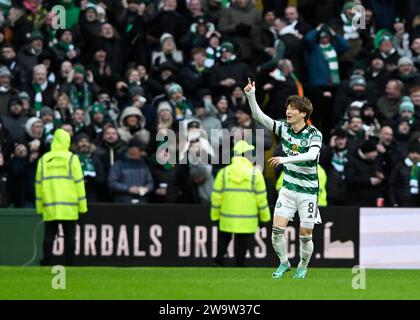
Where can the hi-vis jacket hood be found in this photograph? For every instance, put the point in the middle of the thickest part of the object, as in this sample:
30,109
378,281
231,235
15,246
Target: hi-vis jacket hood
61,141
241,170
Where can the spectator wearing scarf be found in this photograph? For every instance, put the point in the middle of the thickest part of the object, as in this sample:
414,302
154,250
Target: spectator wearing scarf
404,179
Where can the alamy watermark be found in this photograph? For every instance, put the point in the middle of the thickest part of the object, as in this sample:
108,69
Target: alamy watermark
58,282
359,17
59,19
358,282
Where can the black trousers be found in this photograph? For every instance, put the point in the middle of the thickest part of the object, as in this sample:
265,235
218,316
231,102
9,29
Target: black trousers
242,241
50,231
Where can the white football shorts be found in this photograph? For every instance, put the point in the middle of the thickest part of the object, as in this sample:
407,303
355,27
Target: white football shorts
305,204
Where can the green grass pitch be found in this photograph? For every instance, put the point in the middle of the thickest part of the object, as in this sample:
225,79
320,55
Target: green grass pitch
156,283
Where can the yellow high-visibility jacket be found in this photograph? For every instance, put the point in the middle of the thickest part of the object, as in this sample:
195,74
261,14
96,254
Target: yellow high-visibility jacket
322,179
59,183
239,197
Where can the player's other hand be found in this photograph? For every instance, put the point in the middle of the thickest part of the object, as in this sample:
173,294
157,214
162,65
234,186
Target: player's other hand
274,161
250,87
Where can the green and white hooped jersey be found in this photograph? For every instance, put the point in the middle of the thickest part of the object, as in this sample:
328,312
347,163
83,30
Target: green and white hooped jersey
301,177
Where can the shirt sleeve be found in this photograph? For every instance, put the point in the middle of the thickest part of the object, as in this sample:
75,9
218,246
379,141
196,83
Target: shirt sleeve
277,126
315,140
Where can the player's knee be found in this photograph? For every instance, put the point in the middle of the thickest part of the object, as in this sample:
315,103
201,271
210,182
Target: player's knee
280,222
305,232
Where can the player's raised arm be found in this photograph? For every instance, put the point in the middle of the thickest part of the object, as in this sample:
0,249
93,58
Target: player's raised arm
257,113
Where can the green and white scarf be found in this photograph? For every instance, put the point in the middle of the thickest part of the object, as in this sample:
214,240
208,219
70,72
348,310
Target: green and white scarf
331,56
51,36
38,104
48,132
338,161
88,166
414,175
350,32
81,98
66,46
212,55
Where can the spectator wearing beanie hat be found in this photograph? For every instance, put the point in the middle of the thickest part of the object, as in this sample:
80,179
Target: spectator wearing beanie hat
378,74
26,103
181,106
384,48
213,50
407,73
88,28
34,128
167,73
199,28
81,88
98,116
164,115
65,49
34,138
404,179
164,120
355,91
28,56
168,52
401,38
93,172
406,111
47,116
14,120
350,33
6,89
364,177
138,99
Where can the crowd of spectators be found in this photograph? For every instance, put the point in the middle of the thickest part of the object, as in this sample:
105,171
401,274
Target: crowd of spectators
116,74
